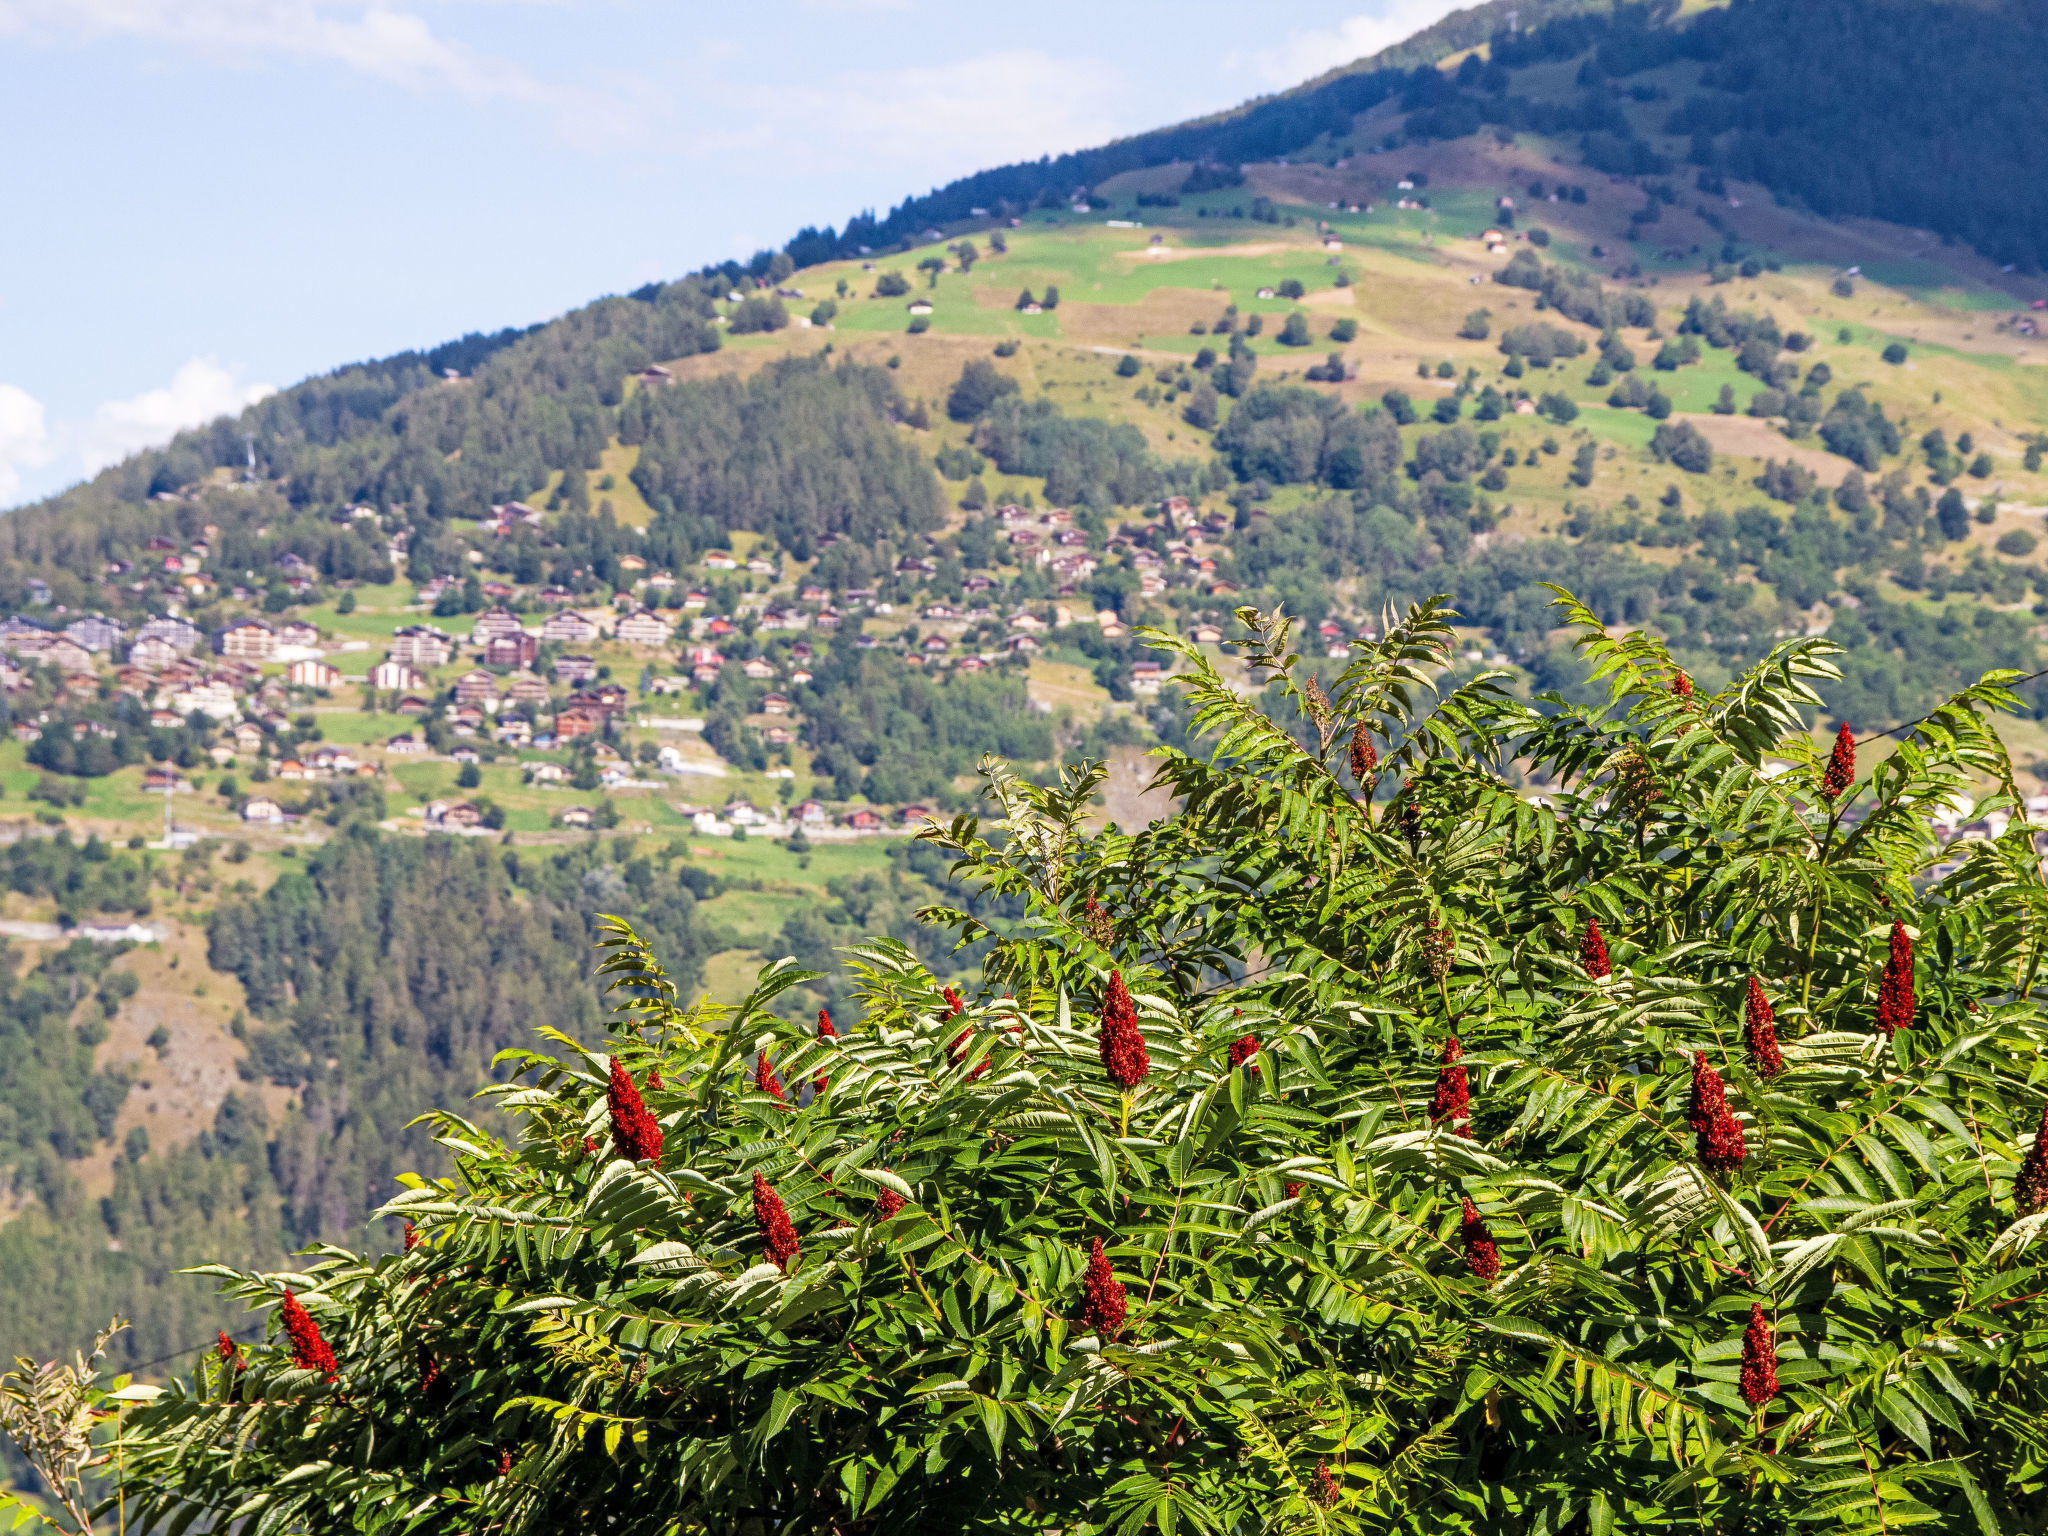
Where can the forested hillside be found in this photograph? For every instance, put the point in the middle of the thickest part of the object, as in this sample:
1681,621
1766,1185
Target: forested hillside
381,978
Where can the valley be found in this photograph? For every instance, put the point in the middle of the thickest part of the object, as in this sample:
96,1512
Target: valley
771,554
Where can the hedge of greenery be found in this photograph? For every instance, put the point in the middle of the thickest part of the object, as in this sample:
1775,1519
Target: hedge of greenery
1380,1144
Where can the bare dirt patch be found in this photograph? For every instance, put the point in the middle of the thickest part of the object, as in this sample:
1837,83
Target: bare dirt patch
1196,252
1748,437
178,1086
1126,799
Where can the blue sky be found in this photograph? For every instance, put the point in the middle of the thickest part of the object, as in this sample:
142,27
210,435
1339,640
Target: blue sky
210,198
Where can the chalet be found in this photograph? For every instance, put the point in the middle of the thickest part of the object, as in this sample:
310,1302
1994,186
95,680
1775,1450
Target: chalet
933,645
495,622
654,374
165,720
759,668
799,677
569,628
388,676
761,567
547,773
575,669
718,628
776,736
863,820
812,593
263,809
299,634
405,744
973,664
742,812
1021,644
420,645
513,731
919,306
460,814
313,674
67,655
152,653
248,736
413,704
911,813
828,618
250,639
95,632
696,598
1025,620
643,628
809,813
612,698
574,720
22,635
775,704
465,756
475,687
1206,634
526,688
332,760
291,768
520,650
1146,676
575,816
181,634
719,560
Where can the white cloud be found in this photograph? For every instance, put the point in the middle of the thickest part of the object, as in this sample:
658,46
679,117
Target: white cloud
390,45
942,119
198,392
1309,52
24,439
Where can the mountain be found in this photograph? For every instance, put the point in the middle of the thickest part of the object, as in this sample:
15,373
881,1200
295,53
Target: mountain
1921,112
1642,302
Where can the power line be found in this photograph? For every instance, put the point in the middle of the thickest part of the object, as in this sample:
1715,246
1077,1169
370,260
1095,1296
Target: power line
193,1349
1880,735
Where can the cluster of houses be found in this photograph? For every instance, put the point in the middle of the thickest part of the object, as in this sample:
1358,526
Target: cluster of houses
740,813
